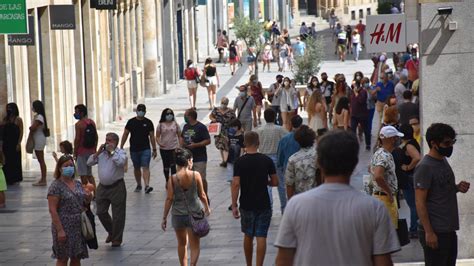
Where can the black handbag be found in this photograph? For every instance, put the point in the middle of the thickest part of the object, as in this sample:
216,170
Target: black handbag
92,243
402,232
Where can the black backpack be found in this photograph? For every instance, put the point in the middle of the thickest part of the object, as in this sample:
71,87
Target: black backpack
90,136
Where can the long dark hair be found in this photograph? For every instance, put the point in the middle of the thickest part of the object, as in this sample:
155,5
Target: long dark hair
343,103
164,113
14,113
39,109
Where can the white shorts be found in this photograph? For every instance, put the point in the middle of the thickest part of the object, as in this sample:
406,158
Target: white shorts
192,84
212,81
40,141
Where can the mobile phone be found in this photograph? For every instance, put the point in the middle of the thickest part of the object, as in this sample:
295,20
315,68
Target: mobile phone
289,108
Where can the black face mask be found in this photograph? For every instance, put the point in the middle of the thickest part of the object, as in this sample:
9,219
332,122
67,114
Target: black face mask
445,151
9,112
279,81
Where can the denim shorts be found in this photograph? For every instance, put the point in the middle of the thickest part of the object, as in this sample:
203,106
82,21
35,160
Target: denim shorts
255,223
141,158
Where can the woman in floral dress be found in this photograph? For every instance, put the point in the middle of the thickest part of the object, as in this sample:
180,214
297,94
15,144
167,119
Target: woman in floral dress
66,201
223,115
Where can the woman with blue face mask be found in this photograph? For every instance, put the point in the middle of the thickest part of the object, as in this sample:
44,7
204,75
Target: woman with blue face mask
167,137
66,200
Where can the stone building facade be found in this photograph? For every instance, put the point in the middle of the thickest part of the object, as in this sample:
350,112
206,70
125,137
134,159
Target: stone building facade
347,11
111,61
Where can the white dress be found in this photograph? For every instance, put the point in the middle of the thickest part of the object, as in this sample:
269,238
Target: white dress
316,123
38,136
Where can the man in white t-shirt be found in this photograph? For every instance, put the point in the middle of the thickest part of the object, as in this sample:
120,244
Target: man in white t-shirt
334,224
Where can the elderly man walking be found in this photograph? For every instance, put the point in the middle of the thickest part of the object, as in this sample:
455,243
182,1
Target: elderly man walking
111,190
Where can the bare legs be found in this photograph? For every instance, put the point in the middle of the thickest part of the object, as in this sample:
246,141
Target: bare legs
232,68
261,250
138,176
192,97
257,115
211,91
40,157
194,243
286,116
63,262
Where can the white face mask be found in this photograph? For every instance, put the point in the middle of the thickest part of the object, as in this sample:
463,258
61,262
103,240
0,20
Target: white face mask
286,83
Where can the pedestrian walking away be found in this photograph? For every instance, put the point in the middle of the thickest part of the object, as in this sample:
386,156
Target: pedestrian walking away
85,143
195,137
192,76
269,137
210,79
167,138
253,172
300,175
436,200
185,196
288,145
142,134
356,218
111,190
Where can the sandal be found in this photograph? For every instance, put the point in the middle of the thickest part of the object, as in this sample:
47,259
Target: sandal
39,184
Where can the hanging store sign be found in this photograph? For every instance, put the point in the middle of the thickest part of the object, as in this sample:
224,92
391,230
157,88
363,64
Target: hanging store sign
24,39
386,33
104,4
62,17
13,17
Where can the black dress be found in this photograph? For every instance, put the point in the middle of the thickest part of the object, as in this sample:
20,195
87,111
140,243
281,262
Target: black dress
12,167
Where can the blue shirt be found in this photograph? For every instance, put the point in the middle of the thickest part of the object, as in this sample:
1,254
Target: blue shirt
299,48
385,91
286,147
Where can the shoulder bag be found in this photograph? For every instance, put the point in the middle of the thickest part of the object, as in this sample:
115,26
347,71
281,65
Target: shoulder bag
240,109
30,144
199,223
86,226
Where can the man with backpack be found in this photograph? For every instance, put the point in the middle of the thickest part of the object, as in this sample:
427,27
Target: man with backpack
142,133
85,143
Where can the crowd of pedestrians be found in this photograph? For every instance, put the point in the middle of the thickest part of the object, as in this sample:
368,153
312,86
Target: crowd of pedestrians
310,163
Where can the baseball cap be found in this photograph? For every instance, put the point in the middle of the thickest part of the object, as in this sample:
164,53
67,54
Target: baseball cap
389,132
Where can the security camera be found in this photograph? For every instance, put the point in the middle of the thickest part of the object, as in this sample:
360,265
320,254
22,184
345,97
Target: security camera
446,10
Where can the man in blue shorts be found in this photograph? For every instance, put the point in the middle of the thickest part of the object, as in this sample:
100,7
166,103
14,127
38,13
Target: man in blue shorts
253,172
142,134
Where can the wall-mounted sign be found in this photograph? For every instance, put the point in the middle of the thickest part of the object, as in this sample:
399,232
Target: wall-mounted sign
386,33
104,4
62,17
24,39
13,17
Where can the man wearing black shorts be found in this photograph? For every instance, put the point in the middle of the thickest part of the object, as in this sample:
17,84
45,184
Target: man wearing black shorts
142,134
253,172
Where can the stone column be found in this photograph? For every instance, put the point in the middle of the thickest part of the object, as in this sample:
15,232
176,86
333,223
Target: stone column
150,53
448,55
79,53
3,76
411,7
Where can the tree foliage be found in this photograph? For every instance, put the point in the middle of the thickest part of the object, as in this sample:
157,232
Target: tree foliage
247,30
309,64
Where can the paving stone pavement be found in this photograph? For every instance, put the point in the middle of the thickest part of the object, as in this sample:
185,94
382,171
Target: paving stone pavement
25,234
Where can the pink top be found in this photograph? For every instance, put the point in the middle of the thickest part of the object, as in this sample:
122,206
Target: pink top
168,135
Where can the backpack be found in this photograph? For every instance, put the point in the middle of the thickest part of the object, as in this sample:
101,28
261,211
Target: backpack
90,136
190,73
232,53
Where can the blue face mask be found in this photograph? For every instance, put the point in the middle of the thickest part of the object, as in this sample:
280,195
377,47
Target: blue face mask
68,171
169,117
367,85
232,131
140,113
77,116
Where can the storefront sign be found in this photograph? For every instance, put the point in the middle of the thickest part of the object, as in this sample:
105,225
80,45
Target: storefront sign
24,39
386,33
104,4
62,17
13,17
